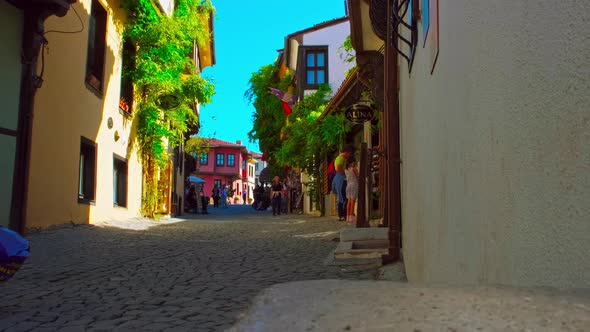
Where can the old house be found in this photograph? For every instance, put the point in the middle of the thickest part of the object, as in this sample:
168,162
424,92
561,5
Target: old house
486,111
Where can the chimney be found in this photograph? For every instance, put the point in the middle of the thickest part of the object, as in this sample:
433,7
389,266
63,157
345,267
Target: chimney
238,142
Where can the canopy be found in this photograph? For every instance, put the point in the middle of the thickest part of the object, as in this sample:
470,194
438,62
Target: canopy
195,179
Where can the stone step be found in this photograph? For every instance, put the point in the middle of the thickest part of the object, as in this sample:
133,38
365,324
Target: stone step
360,234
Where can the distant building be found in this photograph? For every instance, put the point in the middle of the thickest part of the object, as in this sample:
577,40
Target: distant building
260,164
228,164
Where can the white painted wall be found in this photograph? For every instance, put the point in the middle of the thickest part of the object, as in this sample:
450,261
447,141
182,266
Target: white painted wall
332,36
496,146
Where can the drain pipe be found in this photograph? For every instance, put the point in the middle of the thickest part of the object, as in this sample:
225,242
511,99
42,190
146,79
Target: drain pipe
392,211
35,14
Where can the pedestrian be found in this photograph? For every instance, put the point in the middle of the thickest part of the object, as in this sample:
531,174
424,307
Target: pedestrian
339,181
224,196
215,194
204,201
275,195
244,192
285,195
192,199
352,187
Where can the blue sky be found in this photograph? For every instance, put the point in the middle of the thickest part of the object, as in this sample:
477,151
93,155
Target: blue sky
247,36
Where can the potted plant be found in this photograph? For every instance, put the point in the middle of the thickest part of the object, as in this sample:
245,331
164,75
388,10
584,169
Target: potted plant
123,105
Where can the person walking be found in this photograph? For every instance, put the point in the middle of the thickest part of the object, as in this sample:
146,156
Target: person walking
215,194
285,196
275,196
338,183
352,188
224,197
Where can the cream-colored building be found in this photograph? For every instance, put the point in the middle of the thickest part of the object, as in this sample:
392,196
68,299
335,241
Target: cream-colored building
84,164
21,37
495,143
84,168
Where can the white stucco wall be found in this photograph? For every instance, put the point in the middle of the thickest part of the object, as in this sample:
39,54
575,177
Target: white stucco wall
496,146
332,36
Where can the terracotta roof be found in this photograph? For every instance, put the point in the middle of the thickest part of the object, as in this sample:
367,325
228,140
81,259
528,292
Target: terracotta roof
214,142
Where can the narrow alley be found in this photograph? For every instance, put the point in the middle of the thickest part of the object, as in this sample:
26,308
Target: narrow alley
193,275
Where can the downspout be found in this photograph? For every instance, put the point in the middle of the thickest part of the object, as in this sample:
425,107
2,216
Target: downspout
33,30
391,124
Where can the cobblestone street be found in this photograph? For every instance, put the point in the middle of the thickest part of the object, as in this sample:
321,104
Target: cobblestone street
195,275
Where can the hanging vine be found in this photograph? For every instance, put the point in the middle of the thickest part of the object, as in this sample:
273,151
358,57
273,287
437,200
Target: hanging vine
167,82
308,138
268,118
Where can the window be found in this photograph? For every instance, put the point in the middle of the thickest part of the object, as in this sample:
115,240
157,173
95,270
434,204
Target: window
204,159
217,183
97,27
256,167
316,66
231,159
219,159
87,169
244,164
126,95
119,181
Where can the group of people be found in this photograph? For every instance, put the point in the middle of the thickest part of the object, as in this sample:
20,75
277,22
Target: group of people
279,195
345,184
193,194
219,194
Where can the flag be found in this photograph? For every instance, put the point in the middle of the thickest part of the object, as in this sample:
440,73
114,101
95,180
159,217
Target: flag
286,98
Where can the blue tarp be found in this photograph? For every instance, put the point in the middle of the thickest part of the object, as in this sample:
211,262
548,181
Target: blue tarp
12,244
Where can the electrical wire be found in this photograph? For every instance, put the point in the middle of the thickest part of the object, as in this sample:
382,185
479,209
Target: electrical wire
77,31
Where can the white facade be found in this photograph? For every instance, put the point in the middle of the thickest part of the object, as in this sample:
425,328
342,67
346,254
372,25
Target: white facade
332,36
496,146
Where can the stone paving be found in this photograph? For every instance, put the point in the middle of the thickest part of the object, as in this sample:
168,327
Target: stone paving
198,274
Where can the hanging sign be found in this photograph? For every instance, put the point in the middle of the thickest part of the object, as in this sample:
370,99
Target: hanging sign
359,113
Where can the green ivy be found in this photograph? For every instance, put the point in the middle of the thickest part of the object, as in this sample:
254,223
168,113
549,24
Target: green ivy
308,139
268,118
303,141
167,82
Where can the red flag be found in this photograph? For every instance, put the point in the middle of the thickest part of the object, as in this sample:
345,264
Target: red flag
286,98
287,108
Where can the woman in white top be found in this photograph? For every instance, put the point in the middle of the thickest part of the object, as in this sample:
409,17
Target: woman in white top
352,187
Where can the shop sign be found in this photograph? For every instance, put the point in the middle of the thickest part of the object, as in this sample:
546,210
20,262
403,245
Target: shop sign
359,113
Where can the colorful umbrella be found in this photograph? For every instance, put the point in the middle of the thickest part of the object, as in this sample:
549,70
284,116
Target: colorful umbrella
14,250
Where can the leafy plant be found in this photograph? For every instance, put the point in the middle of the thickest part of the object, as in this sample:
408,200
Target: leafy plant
269,117
308,138
347,53
167,82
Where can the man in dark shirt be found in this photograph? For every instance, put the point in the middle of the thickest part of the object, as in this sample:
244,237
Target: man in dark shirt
275,196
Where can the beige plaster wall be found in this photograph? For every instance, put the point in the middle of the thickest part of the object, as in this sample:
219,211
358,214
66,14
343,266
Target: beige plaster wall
496,146
65,110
